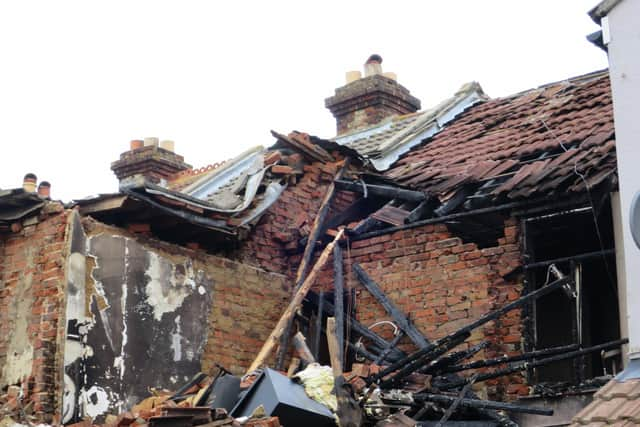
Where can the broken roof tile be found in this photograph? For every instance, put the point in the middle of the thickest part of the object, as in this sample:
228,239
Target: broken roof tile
383,143
541,137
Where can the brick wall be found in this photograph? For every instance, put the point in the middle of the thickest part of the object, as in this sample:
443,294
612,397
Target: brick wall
247,304
291,217
160,313
32,272
442,284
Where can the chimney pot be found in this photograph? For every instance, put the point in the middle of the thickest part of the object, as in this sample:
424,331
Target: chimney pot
373,65
352,76
44,189
151,141
168,145
153,160
29,183
367,101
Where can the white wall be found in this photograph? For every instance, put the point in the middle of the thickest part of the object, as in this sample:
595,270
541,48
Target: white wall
624,69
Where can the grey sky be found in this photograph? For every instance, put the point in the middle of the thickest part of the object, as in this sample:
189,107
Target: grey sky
79,79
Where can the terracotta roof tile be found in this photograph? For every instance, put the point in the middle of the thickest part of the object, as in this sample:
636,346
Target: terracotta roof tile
617,403
542,137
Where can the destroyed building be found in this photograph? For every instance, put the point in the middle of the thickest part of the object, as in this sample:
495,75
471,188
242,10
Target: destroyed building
449,213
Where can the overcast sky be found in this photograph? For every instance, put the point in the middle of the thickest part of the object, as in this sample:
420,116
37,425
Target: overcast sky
79,79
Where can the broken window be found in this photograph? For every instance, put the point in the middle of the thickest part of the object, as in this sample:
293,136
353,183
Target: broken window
579,243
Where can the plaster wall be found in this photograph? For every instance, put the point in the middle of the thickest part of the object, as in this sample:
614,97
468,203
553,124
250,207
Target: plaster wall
624,69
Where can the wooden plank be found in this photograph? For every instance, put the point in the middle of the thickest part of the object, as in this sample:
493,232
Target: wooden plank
349,413
393,311
300,343
303,267
294,305
293,367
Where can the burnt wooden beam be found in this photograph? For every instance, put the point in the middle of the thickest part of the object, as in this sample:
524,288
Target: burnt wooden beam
580,257
357,327
399,317
540,362
338,299
353,212
418,212
381,190
455,403
414,359
294,305
318,324
392,344
480,404
303,267
349,414
509,359
453,203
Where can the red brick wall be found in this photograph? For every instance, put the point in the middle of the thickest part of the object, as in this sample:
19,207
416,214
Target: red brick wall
247,304
443,284
290,218
32,277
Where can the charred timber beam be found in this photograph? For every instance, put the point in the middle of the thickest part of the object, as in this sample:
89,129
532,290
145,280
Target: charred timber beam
385,352
381,190
444,364
429,357
509,359
399,317
467,329
418,212
356,349
481,404
357,327
541,362
580,257
455,216
294,305
303,267
318,325
454,405
338,301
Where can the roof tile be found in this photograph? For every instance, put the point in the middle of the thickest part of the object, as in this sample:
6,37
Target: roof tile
567,126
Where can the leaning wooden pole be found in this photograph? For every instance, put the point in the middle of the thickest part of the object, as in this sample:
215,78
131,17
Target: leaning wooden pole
294,305
303,267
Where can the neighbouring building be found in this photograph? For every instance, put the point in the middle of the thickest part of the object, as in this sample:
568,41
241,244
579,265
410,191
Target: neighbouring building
454,211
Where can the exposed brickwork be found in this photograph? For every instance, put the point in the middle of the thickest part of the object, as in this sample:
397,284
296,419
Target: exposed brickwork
443,284
32,277
247,304
290,218
368,101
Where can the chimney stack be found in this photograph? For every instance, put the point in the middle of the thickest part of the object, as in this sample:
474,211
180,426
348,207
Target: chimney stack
366,101
29,183
149,158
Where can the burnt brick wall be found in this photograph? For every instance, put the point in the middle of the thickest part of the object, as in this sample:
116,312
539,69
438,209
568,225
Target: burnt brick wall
442,284
32,276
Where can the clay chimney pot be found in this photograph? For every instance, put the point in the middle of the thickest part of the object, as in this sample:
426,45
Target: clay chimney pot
29,183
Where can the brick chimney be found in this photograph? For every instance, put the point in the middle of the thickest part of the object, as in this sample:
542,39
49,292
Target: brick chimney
150,159
366,101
